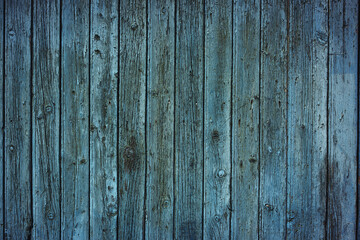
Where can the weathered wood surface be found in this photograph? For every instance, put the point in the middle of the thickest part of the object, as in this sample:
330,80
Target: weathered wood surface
307,119
189,119
75,129
245,120
273,119
155,119
132,104
160,120
2,119
217,118
18,125
343,121
46,119
103,119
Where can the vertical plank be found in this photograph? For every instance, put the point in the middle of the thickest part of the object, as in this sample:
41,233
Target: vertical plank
103,119
217,107
46,116
160,120
245,120
189,119
18,213
343,119
273,120
75,120
307,119
2,119
132,114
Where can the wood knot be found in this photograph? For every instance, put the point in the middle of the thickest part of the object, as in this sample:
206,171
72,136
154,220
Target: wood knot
165,203
221,173
269,207
252,160
215,136
12,148
129,152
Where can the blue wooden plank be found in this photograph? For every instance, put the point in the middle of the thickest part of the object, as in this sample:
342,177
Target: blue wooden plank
103,119
273,119
132,113
18,200
217,118
189,119
343,119
160,120
75,129
307,119
245,120
46,119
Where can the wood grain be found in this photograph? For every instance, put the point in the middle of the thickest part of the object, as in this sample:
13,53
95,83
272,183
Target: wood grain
160,120
103,119
343,121
2,119
217,107
18,200
75,129
132,113
46,119
245,120
307,119
273,119
189,119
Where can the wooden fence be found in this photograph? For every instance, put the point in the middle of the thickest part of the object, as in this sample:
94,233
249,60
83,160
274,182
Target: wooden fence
164,119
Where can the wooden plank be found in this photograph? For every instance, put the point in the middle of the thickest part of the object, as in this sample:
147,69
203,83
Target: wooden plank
46,116
273,120
160,120
18,213
343,119
245,120
75,120
189,119
217,107
103,119
132,95
2,119
307,119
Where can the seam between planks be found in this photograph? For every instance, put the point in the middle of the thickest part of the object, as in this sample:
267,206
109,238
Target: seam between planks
146,113
287,112
118,125
60,116
174,123
327,121
89,118
259,161
3,124
203,124
231,117
31,117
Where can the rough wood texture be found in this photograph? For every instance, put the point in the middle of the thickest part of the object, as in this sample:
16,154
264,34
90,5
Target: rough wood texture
176,119
75,190
307,119
189,119
160,120
343,112
132,93
217,107
245,119
273,119
103,119
18,212
46,116
2,119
